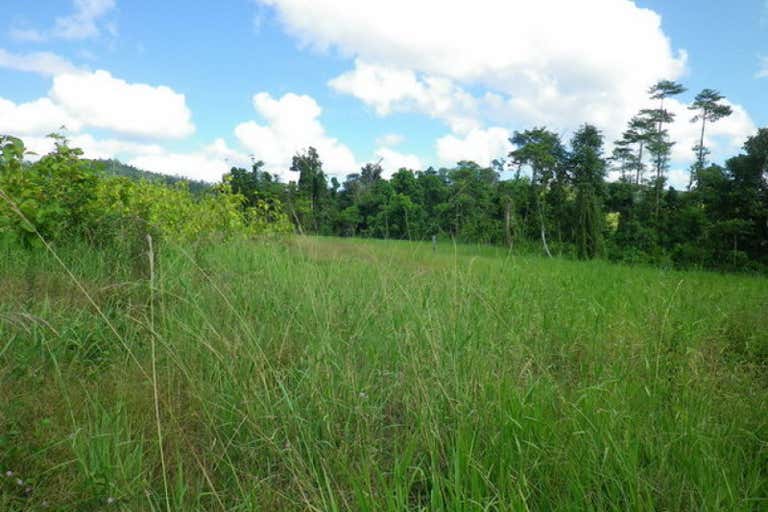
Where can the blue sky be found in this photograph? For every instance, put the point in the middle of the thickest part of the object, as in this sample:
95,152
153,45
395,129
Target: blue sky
193,87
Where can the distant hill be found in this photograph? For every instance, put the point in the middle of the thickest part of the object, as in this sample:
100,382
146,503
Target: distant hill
117,168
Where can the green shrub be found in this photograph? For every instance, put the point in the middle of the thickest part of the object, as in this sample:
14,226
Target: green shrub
62,198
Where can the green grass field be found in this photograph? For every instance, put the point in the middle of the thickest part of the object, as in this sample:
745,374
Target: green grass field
326,374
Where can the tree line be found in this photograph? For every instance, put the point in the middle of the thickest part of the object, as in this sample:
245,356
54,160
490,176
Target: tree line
557,200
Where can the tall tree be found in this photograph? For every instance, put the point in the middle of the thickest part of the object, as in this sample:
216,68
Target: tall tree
622,158
543,152
710,108
660,147
370,173
639,132
662,90
587,167
312,183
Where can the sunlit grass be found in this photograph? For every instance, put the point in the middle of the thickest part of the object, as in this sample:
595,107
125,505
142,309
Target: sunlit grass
327,374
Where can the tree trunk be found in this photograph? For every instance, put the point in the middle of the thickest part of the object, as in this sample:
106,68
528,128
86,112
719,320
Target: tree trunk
661,125
543,232
700,157
701,141
508,223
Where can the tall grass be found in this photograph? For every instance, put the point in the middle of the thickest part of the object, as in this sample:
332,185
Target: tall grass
326,374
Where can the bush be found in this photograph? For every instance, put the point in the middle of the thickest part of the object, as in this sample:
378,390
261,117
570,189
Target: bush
62,198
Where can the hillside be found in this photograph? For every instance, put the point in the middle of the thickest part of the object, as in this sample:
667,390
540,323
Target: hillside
118,168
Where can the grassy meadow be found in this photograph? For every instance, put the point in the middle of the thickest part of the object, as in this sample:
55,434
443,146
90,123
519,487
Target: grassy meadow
332,374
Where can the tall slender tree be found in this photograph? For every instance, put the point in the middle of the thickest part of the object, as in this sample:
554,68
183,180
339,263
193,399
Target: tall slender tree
622,158
660,91
709,107
639,132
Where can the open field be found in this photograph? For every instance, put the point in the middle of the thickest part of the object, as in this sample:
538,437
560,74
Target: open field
331,374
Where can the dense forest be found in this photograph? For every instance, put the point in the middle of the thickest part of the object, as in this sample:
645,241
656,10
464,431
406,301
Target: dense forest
554,198
558,200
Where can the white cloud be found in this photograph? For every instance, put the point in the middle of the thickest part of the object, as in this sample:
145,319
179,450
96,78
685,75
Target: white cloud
44,63
35,118
292,124
389,89
553,61
91,146
392,161
109,148
100,100
511,63
762,71
79,99
83,23
479,145
723,138
207,164
678,178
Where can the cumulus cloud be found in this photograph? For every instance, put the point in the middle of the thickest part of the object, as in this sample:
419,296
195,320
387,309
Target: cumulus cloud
488,64
589,61
35,118
102,101
91,146
83,23
80,99
291,124
389,89
479,145
723,138
43,63
392,161
207,164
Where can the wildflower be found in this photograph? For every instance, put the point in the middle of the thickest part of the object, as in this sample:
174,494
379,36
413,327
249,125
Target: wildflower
110,500
19,482
9,473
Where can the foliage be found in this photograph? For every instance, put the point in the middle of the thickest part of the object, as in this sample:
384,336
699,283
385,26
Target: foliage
588,172
61,198
546,195
710,107
54,196
114,167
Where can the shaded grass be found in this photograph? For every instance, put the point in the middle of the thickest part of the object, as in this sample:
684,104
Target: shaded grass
327,374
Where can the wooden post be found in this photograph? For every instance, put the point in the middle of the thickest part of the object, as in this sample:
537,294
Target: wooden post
434,243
